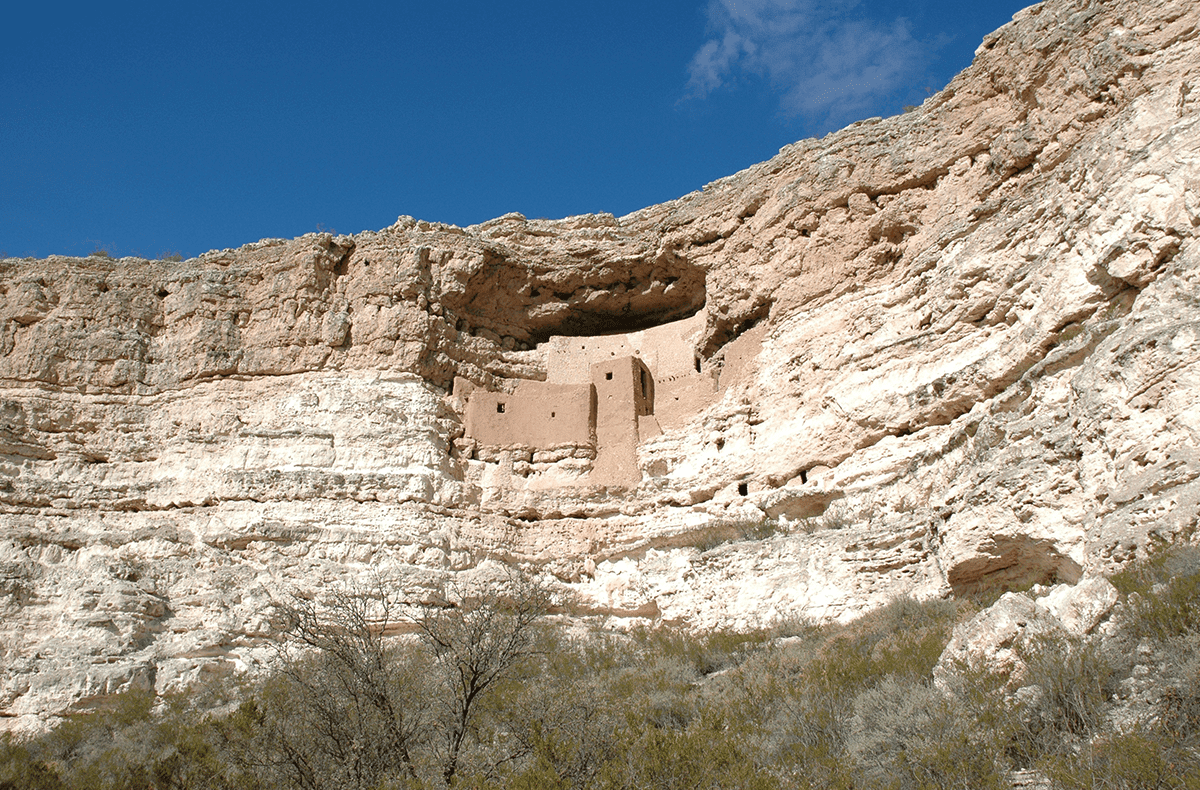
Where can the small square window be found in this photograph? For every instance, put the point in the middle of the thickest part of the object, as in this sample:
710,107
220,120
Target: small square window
743,489
499,408
552,415
608,376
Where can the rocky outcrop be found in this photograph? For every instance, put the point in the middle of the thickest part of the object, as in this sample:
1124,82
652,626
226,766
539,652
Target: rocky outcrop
951,350
999,639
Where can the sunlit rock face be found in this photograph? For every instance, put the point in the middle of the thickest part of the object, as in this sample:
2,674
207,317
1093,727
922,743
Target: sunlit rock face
946,351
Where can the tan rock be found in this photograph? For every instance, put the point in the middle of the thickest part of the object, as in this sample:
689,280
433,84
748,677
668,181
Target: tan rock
1080,607
998,639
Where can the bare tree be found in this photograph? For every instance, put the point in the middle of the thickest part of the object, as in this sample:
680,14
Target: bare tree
348,708
352,708
479,635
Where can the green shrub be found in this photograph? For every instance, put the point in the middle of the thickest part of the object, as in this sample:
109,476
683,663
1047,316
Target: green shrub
1138,760
1162,563
124,746
903,639
706,652
21,770
1070,683
709,754
1179,707
907,734
1162,593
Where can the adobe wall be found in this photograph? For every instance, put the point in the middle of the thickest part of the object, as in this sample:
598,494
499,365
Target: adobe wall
680,398
624,393
536,414
666,350
739,356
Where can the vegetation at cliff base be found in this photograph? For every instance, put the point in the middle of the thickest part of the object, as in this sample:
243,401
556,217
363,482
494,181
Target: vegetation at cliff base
487,690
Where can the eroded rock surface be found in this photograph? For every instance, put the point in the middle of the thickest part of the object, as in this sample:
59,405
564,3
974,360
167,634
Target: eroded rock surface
950,350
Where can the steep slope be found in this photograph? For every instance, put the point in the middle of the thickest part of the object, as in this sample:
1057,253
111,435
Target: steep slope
948,350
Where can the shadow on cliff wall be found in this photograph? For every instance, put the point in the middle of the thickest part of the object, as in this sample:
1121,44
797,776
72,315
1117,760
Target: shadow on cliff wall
1011,563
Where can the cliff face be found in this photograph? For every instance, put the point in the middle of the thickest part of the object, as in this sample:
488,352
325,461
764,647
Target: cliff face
951,349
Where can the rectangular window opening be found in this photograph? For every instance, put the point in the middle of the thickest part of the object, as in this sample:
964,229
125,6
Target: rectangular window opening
743,488
499,408
608,376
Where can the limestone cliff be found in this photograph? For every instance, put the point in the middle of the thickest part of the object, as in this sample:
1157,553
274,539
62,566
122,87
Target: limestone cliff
951,349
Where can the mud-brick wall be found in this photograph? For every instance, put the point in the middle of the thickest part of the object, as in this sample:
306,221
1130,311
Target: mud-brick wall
667,350
620,400
536,414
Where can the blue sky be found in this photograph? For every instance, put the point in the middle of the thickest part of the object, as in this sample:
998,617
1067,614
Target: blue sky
150,128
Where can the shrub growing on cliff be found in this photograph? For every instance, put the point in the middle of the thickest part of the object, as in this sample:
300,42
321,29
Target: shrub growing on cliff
1134,760
1163,593
1068,685
1161,750
908,734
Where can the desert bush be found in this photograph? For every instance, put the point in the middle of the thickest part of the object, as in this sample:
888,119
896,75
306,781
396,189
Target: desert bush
126,745
21,768
731,531
908,734
569,734
903,639
1137,760
706,652
708,754
1068,684
800,693
1179,706
1162,593
805,723
836,516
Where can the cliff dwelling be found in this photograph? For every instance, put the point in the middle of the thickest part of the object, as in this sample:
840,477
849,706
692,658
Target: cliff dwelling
947,353
602,396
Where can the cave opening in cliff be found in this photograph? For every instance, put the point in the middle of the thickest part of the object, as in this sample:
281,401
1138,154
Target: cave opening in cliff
587,295
632,302
588,323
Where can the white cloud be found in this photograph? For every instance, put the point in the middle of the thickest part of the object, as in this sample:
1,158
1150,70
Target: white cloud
827,61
